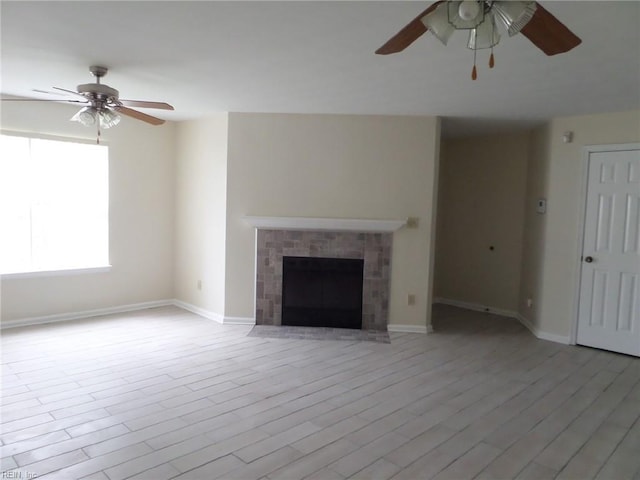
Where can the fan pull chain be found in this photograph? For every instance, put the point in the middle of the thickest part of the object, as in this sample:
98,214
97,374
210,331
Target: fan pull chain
474,72
98,138
491,59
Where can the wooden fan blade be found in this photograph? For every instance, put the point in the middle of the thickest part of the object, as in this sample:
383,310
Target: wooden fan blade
143,104
409,34
139,115
548,33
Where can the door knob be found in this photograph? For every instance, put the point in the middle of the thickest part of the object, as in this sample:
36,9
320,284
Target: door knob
588,259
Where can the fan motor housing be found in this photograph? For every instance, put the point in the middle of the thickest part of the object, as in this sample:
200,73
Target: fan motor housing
98,90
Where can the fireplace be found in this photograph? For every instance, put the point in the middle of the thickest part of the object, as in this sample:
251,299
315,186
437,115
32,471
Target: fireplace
322,292
372,249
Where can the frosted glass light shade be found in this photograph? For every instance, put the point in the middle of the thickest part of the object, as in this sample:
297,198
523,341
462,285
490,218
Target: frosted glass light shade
459,23
86,116
437,22
89,115
469,9
484,35
514,15
108,118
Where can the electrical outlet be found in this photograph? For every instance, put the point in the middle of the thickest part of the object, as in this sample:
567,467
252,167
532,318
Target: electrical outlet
199,284
541,205
412,222
529,302
411,299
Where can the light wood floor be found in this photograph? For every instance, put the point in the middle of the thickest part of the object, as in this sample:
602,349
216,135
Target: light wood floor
163,394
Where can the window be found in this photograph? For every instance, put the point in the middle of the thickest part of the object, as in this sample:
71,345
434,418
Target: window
54,205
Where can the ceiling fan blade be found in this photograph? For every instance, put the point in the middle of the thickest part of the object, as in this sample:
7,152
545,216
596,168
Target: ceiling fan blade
59,100
139,115
409,34
143,104
47,92
72,92
548,33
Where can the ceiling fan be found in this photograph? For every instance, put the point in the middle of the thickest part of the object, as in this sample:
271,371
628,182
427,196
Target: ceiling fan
480,18
102,103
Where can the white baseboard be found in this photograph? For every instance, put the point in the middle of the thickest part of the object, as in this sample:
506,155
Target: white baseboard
395,327
239,321
543,335
477,307
63,317
505,313
527,324
216,317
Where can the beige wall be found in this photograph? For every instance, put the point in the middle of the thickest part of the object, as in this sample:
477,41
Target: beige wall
141,164
333,166
194,183
201,189
482,192
557,273
533,248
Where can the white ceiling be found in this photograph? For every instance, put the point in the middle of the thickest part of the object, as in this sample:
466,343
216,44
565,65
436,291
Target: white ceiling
318,57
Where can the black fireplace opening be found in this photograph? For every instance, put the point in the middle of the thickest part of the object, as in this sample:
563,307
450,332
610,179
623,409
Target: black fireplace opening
322,292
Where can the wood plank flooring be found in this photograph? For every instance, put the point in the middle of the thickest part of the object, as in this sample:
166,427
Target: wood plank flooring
163,394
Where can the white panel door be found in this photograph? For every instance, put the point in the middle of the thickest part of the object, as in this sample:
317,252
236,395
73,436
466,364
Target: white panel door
609,305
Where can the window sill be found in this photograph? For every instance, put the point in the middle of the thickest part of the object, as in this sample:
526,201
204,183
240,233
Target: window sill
56,273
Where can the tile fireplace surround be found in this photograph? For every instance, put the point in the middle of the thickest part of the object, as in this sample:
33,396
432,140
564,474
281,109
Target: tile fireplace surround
374,248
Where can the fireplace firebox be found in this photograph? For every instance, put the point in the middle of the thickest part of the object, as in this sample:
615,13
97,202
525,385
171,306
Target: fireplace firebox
322,292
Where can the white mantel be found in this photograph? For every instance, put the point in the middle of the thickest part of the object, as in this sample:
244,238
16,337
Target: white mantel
330,224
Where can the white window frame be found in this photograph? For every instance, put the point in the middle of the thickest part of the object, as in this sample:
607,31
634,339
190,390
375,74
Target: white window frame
61,271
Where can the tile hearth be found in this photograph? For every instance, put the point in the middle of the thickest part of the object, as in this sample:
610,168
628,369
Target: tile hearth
315,333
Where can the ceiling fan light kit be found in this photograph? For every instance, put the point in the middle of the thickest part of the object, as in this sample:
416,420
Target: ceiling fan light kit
480,18
89,116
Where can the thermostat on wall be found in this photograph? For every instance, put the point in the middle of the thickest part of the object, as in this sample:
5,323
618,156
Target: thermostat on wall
541,205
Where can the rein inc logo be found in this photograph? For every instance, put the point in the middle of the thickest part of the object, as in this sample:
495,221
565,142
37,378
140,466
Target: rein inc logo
18,474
